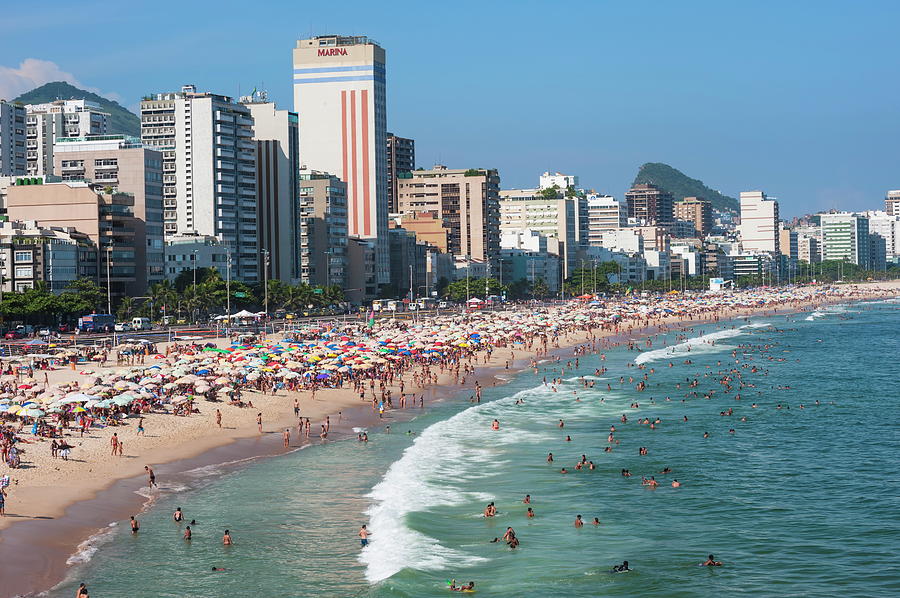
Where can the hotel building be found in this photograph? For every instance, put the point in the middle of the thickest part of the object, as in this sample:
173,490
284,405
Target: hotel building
339,95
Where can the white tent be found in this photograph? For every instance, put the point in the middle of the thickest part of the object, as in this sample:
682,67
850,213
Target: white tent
475,300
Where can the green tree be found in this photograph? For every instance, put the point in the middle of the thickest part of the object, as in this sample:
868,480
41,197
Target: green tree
540,288
550,192
91,296
126,309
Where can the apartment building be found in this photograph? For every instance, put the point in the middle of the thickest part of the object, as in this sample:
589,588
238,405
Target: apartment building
605,213
759,223
401,157
209,170
60,119
12,139
649,204
467,201
323,229
698,211
122,163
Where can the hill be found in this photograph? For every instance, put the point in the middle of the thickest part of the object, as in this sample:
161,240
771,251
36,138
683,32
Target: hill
681,185
121,120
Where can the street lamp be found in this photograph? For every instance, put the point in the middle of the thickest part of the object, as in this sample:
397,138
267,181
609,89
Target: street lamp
108,280
266,286
194,302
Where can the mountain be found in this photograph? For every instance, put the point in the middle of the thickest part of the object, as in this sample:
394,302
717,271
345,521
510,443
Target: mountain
120,119
681,185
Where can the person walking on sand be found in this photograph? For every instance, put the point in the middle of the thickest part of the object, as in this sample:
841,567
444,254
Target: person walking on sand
2,502
218,418
286,435
114,443
259,422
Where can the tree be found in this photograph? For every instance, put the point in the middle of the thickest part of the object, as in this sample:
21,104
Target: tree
550,192
126,309
459,291
540,288
88,293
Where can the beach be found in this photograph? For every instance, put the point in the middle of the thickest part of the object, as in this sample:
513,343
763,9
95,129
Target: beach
49,486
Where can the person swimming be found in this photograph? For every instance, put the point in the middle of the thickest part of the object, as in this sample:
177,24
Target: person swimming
621,568
711,562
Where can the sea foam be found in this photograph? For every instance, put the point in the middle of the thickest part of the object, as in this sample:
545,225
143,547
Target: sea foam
702,344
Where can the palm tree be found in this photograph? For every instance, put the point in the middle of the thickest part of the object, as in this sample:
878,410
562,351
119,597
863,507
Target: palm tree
126,308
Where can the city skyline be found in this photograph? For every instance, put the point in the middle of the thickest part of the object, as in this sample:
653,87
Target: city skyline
806,116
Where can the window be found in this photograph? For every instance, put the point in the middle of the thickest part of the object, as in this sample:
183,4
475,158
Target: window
23,256
24,272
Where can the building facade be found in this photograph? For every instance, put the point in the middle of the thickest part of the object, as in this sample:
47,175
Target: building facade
195,252
12,139
466,200
892,203
107,219
604,213
339,93
549,180
555,218
698,211
277,136
209,170
122,163
649,204
323,238
31,253
401,158
46,123
845,237
759,222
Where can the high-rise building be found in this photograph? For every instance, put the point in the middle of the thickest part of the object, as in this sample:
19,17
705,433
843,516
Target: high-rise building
808,249
322,223
209,170
887,227
401,157
845,236
605,213
277,136
122,163
466,200
759,222
12,139
649,204
45,123
698,211
106,218
892,203
339,93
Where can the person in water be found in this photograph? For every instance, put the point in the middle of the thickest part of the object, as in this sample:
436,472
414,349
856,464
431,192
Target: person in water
711,562
178,515
621,568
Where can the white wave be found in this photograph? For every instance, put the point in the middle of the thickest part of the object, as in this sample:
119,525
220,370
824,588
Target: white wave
422,479
703,343
87,549
360,430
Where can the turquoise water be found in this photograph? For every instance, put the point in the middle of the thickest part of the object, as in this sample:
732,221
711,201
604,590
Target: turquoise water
797,502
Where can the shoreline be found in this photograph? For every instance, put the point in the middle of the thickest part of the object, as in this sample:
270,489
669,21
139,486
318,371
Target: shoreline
51,540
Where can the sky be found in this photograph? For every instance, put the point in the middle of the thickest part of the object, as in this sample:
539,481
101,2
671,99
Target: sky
798,98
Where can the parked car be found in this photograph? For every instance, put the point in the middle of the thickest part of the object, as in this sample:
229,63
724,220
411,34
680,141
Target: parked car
64,328
13,334
45,331
123,327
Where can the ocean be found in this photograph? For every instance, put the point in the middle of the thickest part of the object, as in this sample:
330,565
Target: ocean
795,502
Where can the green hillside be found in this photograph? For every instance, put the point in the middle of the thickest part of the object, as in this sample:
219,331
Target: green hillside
680,186
121,121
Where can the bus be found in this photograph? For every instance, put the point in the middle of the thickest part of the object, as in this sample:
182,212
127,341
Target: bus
141,324
97,323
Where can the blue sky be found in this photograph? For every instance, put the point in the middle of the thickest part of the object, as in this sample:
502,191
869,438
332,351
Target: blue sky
798,98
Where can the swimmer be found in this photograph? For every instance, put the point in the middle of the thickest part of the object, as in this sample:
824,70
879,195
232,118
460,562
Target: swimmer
530,513
363,536
596,521
676,484
135,526
178,515
550,458
218,569
226,539
495,425
527,499
621,568
187,533
578,521
711,562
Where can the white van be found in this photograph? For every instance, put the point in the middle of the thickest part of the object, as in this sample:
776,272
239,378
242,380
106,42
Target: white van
141,324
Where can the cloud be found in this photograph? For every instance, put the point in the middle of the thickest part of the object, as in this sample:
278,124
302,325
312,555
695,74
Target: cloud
33,72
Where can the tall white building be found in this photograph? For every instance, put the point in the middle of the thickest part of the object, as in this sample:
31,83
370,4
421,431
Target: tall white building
892,203
605,213
759,222
277,137
845,236
209,170
339,95
12,139
45,123
888,227
563,181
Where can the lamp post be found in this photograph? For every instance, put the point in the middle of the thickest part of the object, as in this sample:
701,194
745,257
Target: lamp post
228,286
194,298
266,289
108,280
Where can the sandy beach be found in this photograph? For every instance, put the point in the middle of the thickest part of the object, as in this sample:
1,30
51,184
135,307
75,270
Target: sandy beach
94,486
